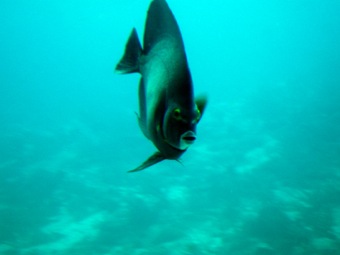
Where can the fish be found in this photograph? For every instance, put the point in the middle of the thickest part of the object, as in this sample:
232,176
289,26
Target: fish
168,111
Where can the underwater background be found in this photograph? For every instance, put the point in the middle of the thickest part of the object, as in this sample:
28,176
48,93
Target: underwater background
262,178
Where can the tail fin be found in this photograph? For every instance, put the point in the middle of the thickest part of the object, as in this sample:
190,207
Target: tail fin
133,50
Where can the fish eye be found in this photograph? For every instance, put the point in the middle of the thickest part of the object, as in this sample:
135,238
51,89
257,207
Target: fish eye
177,114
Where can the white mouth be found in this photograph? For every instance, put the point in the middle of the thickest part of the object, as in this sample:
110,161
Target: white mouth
187,139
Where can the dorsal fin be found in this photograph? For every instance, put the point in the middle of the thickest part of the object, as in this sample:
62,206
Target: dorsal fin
133,50
160,22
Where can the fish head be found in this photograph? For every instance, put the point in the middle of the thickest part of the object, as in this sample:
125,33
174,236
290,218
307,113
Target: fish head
179,126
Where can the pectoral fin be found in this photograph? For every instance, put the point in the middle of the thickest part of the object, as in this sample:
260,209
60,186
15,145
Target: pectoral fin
201,103
154,159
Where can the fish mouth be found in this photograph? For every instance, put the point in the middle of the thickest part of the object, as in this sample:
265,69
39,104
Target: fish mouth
188,137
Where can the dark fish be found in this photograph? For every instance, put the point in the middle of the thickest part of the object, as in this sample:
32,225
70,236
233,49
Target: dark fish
168,112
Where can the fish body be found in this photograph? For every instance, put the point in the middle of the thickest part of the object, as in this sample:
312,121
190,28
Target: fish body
168,112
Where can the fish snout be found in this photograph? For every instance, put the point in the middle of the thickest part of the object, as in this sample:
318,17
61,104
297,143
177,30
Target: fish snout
187,139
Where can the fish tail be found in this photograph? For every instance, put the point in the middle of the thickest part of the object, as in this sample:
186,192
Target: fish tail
130,60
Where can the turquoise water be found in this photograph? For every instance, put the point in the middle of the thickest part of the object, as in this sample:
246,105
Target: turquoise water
262,178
